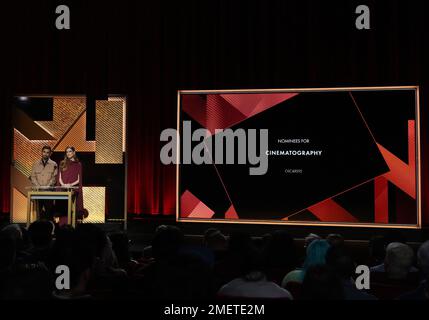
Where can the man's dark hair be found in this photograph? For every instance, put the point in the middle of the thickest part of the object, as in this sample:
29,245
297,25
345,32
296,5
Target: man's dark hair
47,147
280,251
214,238
40,233
167,241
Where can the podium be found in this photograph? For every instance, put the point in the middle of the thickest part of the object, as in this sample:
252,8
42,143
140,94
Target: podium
52,193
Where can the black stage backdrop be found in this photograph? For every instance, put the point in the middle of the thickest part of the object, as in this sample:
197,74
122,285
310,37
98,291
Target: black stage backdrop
147,50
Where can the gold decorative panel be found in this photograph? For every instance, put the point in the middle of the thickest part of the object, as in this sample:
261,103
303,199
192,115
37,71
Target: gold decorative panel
109,132
66,111
94,200
76,137
27,152
19,207
19,181
124,119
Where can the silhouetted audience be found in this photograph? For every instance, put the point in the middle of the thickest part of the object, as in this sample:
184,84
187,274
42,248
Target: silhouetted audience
40,234
422,291
80,259
398,262
121,248
7,263
175,274
240,245
166,242
101,266
280,255
396,275
321,283
215,240
344,267
21,276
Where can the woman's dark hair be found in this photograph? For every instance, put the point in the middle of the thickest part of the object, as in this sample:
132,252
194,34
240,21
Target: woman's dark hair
64,164
321,283
340,262
280,251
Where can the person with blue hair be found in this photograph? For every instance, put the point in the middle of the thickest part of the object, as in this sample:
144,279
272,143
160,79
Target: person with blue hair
315,255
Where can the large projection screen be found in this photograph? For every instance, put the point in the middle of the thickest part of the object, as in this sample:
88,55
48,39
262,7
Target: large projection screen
316,156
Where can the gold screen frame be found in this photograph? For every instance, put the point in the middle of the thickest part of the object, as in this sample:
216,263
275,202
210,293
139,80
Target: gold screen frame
418,225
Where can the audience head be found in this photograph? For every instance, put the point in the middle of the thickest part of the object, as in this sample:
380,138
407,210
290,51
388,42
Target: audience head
166,242
92,237
120,245
80,259
185,277
253,266
77,249
335,240
64,237
340,262
423,258
215,239
398,261
316,253
310,238
41,233
13,231
321,283
280,250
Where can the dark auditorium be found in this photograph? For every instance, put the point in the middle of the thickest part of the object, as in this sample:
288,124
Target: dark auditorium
209,159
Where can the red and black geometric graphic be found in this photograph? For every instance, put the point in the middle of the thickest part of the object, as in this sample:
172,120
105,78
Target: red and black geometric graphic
367,173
